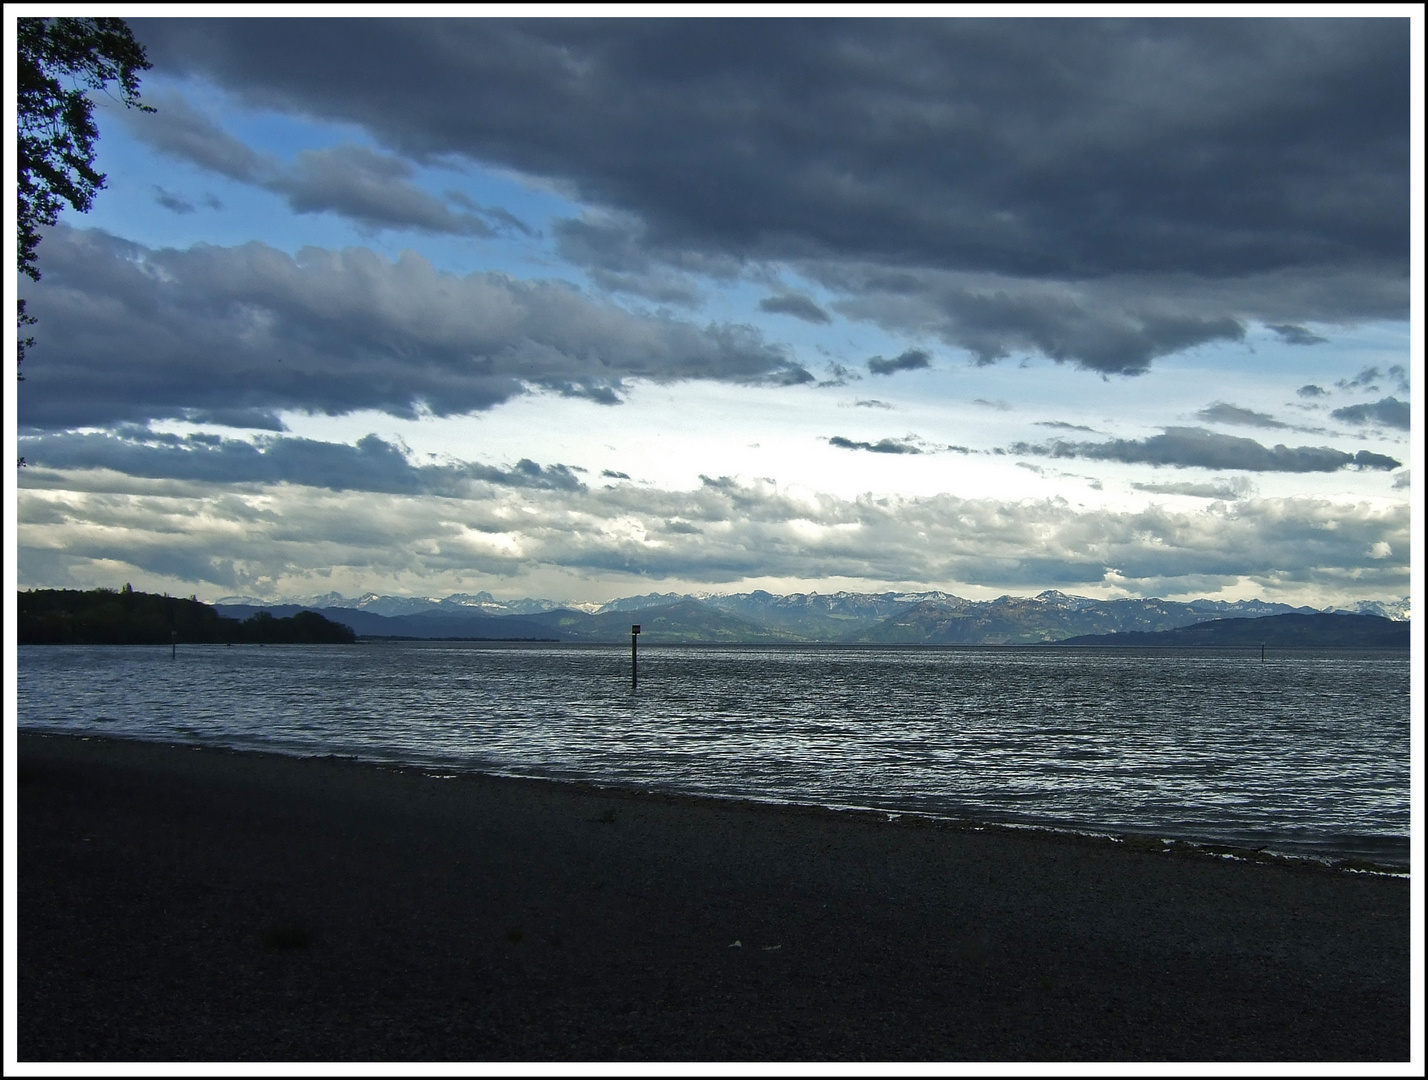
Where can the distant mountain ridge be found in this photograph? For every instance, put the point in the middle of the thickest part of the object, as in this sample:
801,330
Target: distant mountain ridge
1332,629
482,603
889,618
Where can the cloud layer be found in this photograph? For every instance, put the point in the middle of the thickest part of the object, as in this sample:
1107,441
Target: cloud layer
1196,447
882,446
910,360
797,305
133,334
371,465
1388,411
1103,192
373,189
262,539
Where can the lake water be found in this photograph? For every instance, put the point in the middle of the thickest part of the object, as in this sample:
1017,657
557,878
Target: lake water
1306,753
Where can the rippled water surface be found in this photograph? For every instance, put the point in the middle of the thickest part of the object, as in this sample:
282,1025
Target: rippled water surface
1304,753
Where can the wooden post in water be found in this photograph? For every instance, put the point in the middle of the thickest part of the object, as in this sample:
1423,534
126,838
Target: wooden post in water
173,644
1261,652
634,656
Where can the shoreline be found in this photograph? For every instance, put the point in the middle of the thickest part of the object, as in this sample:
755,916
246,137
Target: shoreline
1147,840
1141,838
178,903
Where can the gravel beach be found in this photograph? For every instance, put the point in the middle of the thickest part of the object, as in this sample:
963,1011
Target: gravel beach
181,904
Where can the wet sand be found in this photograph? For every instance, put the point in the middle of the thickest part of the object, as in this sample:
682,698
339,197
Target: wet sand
201,905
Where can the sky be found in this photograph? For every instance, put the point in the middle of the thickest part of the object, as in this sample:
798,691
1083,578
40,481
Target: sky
581,309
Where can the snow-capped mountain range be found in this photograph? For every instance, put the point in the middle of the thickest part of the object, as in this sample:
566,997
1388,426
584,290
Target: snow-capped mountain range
908,617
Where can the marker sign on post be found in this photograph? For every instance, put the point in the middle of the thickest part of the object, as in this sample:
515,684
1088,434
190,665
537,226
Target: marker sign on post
634,656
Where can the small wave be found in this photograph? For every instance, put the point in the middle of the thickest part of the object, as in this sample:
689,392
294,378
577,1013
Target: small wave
1016,739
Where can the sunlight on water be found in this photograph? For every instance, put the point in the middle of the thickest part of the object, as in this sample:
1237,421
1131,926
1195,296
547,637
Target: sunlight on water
1306,753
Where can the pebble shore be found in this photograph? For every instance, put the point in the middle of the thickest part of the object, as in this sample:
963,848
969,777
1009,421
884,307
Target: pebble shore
181,904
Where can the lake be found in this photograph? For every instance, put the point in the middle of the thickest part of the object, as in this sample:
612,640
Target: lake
1305,753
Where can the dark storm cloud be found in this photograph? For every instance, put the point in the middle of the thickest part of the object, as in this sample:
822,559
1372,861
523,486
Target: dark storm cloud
1388,411
370,188
500,219
683,528
258,419
1311,391
135,334
182,132
1364,380
1268,154
371,465
1297,335
797,305
792,376
1368,379
882,446
373,189
527,474
1022,146
611,249
1223,413
840,375
908,361
171,201
1114,326
1196,447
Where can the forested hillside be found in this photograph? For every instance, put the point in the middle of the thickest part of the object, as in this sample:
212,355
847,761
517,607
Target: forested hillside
126,617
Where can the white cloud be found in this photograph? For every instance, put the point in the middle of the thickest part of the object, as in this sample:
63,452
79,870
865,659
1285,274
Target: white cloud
285,539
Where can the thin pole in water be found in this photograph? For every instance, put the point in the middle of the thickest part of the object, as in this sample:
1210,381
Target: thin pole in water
173,644
1261,652
634,656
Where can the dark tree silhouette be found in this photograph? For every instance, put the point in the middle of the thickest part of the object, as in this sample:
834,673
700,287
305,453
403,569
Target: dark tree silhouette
106,617
59,61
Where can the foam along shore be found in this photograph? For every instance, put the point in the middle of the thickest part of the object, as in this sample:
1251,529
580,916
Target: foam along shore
208,905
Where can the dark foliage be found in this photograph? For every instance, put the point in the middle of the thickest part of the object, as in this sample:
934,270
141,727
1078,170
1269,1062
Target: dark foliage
106,617
57,63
